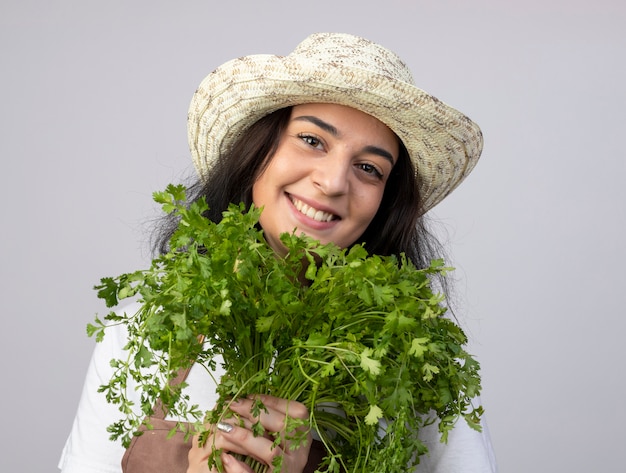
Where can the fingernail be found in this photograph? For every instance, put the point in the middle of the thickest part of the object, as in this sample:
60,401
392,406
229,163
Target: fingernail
224,427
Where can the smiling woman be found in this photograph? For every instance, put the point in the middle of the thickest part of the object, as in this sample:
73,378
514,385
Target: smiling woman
335,142
327,176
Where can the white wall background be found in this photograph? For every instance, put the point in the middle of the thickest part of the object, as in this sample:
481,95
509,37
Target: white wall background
93,99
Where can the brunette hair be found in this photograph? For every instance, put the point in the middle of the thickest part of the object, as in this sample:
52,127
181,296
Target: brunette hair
398,226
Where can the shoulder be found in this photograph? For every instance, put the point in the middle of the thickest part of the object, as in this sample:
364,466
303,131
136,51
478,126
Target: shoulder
467,450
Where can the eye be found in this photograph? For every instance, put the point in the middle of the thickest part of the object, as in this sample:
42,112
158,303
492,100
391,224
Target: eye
370,169
311,140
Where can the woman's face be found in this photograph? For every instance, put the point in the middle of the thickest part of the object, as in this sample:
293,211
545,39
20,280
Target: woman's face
328,175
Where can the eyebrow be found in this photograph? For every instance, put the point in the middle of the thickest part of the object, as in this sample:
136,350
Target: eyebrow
333,131
320,123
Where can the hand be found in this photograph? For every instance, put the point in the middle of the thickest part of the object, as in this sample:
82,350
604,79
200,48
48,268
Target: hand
237,437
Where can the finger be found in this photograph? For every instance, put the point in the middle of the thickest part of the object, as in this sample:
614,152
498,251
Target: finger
232,465
228,438
273,413
237,439
274,422
198,455
294,409
252,426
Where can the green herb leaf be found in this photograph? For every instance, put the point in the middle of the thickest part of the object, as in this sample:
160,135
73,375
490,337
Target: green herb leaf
365,343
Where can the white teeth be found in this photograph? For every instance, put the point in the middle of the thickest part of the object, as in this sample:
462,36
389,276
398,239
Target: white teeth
310,212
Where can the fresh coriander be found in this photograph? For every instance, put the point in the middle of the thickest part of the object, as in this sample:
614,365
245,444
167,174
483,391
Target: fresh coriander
364,344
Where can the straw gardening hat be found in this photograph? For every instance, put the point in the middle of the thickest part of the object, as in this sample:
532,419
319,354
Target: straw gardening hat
444,145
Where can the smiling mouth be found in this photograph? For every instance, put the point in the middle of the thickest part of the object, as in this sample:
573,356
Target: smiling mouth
313,213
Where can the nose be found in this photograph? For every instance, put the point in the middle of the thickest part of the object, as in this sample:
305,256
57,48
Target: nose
331,174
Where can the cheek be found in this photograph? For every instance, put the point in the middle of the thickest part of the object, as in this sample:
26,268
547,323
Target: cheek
257,190
263,183
370,203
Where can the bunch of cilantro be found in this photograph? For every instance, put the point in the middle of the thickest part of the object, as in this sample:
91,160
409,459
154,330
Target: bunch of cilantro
363,342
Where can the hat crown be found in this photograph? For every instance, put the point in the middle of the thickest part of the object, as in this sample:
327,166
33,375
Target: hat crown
442,143
351,51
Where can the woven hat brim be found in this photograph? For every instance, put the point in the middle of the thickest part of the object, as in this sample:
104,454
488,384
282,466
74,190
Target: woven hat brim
444,144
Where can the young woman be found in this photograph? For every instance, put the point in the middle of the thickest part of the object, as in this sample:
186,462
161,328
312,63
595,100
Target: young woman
336,142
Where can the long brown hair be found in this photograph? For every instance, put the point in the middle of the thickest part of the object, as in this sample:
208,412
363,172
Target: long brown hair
397,227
